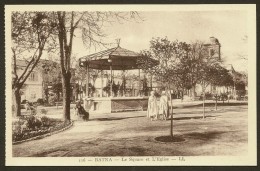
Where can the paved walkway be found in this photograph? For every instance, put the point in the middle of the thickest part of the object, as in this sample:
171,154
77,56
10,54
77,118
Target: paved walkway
223,132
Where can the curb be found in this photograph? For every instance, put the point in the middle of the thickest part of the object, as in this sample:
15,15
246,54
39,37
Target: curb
44,135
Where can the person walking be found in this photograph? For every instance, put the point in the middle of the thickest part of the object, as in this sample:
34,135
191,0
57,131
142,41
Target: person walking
163,107
152,111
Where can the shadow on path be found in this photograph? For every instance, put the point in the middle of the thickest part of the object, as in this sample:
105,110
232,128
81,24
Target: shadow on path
193,117
210,104
114,118
205,136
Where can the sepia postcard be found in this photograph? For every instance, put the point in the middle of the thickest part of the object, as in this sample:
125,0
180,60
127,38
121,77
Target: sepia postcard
131,85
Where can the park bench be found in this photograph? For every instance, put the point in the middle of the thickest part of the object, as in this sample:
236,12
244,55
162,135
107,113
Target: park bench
197,98
58,104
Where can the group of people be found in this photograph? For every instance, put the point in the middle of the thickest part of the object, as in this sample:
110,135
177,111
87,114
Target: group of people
156,110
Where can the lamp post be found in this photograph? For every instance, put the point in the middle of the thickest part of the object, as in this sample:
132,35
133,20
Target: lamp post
111,82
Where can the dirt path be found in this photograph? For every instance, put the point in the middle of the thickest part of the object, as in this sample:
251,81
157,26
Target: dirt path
223,132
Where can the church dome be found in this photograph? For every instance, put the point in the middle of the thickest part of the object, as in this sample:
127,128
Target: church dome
213,40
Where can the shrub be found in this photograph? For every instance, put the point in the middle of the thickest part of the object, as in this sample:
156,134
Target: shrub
40,101
53,99
208,96
33,122
241,93
24,101
223,96
46,122
28,127
43,111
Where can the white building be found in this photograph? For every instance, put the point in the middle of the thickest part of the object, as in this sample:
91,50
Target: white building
33,86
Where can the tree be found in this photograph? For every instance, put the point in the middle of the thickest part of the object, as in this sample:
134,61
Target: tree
90,23
145,86
184,78
169,55
209,71
57,89
31,35
51,75
222,78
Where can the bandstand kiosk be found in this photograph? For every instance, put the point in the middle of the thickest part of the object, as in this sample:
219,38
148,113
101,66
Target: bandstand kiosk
114,59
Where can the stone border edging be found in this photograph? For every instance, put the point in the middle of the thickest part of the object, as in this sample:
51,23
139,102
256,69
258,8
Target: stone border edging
44,135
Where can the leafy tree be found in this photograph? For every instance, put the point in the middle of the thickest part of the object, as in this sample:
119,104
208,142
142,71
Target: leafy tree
51,74
145,86
222,77
184,78
168,55
30,33
57,89
209,71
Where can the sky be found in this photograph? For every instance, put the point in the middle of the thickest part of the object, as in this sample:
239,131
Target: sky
229,27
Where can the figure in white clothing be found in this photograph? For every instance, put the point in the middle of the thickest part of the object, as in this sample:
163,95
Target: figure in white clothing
152,110
163,107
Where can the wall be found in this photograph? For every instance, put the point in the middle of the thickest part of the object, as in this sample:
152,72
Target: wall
32,89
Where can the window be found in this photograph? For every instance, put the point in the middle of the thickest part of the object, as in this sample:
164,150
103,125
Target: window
211,52
33,76
33,95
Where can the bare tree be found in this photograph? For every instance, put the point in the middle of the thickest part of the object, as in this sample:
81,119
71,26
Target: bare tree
90,23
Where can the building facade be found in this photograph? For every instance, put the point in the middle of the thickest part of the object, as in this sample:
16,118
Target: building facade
39,79
32,88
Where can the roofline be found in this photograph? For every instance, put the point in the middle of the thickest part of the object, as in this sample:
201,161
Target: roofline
115,48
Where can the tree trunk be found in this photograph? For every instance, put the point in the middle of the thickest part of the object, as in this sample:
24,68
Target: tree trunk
47,98
80,94
66,96
168,92
77,91
46,92
58,96
16,102
216,103
182,92
193,92
203,104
